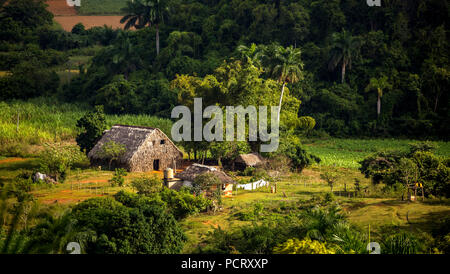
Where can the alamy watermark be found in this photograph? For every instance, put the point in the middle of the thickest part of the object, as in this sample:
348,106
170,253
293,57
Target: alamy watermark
213,130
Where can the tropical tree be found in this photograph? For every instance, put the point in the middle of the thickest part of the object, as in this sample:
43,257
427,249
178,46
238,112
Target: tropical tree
284,65
111,151
91,127
344,48
142,13
125,59
378,84
250,53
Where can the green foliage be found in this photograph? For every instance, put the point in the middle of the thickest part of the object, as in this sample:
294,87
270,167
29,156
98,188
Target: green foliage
44,120
306,246
182,203
292,148
318,222
57,161
147,185
128,224
91,127
118,178
401,243
111,151
419,165
204,182
331,179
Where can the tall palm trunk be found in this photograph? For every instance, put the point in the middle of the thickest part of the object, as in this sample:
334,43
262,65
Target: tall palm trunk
281,99
157,39
343,72
378,105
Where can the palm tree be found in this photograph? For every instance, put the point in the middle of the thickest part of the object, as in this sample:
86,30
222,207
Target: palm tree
141,13
378,84
344,48
250,53
284,65
125,59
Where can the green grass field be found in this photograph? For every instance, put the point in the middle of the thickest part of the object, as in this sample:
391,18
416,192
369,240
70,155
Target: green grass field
348,152
46,120
101,7
417,217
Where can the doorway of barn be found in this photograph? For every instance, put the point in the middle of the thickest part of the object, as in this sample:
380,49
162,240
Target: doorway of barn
156,164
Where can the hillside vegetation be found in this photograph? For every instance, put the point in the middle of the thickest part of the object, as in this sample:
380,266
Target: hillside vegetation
46,120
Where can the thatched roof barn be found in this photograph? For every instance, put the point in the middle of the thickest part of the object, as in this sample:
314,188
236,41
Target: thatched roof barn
188,175
194,170
146,149
249,160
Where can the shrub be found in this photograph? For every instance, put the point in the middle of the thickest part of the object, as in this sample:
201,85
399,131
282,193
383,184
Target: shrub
118,178
204,181
378,165
111,151
420,165
306,246
56,161
401,243
128,224
182,203
147,185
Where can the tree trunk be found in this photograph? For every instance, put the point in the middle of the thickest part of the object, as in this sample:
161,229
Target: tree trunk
281,99
157,39
378,105
436,102
343,72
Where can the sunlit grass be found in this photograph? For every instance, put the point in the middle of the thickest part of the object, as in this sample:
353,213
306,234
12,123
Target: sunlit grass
46,120
348,152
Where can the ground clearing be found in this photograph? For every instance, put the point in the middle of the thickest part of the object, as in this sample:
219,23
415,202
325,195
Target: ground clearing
67,22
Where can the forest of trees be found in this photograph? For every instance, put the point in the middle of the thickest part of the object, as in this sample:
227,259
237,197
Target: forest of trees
357,70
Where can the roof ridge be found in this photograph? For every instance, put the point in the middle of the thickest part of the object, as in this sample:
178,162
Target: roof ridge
131,126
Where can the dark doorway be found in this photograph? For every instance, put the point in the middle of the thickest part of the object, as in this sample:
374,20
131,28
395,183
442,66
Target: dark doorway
156,164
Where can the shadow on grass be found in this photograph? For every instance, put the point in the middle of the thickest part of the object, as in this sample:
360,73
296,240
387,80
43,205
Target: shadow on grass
28,164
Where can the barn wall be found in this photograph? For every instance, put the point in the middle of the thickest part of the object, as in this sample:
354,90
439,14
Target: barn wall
151,150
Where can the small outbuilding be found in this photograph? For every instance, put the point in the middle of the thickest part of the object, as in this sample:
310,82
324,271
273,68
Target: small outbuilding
191,172
248,160
146,149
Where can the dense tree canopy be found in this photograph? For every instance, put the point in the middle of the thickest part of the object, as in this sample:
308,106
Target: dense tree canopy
346,46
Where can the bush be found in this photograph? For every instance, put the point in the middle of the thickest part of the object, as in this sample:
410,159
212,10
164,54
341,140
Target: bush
128,224
306,246
57,161
291,147
118,178
401,243
147,185
182,203
111,151
419,165
204,181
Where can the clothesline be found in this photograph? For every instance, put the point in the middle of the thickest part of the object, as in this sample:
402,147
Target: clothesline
254,185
